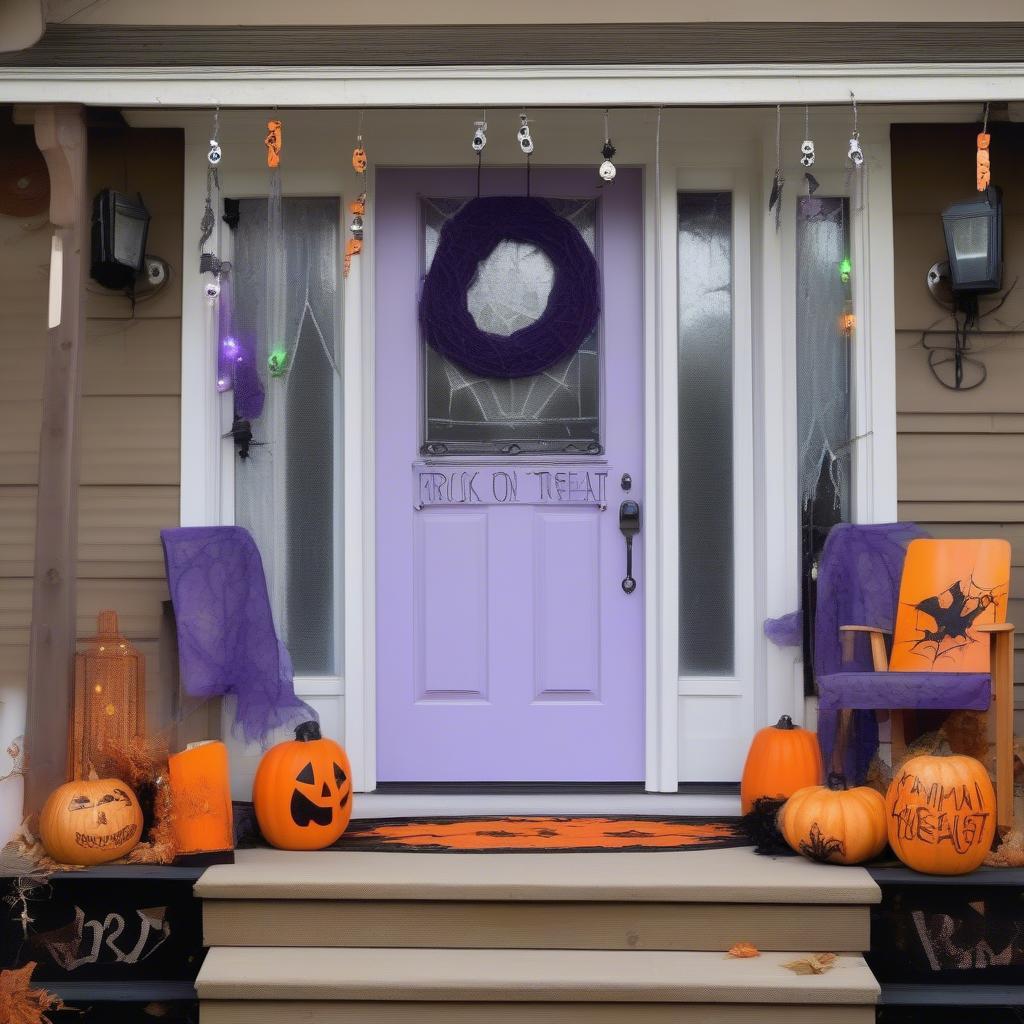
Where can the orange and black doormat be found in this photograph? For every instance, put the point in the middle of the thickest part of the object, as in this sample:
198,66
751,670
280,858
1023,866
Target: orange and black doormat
541,834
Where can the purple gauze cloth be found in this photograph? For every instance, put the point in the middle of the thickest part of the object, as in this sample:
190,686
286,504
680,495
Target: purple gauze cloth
858,585
227,644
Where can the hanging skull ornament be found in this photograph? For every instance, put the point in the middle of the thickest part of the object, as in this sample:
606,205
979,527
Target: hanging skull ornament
807,154
855,153
607,170
215,153
523,136
211,289
479,136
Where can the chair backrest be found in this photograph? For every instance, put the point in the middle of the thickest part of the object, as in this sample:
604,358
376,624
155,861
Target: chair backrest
948,587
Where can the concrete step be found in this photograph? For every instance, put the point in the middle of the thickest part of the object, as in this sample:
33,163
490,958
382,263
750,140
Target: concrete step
373,985
705,876
532,924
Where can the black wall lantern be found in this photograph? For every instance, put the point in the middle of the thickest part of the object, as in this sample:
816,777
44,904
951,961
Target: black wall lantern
119,227
974,241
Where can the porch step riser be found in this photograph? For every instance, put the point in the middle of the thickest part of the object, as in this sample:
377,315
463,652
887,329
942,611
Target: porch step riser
245,1012
534,925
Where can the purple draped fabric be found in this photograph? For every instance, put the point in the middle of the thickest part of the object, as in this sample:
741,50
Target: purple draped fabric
227,645
880,691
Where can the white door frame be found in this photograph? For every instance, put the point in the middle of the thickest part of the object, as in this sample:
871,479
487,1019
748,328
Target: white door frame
396,137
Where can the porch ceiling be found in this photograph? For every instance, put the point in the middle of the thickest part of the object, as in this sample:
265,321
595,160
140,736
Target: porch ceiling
739,43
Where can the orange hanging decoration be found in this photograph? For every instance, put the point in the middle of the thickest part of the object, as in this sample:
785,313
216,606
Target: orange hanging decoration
984,161
359,160
273,143
353,248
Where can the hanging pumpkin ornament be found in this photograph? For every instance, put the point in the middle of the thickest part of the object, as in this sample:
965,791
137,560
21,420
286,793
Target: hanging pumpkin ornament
90,822
607,172
302,792
984,156
782,759
354,246
273,142
941,814
833,824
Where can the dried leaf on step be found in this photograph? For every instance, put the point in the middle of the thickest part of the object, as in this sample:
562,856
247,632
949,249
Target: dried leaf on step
816,963
743,950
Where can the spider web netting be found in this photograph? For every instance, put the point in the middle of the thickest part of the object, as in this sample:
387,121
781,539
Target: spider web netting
555,410
286,275
823,354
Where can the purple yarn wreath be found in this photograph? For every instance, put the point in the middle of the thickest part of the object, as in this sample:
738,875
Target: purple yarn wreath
467,239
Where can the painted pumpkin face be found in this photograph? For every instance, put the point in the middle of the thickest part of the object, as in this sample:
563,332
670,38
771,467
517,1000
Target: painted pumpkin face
90,822
359,160
302,793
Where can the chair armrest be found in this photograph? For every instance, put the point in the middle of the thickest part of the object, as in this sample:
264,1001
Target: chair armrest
996,627
879,657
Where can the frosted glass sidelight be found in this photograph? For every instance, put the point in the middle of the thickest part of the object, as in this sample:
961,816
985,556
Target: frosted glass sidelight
552,411
286,491
706,549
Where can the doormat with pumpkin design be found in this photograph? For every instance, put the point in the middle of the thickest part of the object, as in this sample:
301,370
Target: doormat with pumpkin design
541,834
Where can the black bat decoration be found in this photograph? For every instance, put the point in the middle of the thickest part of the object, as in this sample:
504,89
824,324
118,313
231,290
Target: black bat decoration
953,618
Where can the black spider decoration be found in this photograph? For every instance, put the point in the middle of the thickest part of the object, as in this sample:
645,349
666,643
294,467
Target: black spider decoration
820,847
954,612
241,434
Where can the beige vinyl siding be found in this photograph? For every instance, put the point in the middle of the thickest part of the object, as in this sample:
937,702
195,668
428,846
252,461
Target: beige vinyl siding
130,414
961,454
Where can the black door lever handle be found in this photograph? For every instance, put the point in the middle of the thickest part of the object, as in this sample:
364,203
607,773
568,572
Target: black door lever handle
629,525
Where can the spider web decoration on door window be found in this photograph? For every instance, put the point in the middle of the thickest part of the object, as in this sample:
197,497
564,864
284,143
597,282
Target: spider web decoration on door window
556,410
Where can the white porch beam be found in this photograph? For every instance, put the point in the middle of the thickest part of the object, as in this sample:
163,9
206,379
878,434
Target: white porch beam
618,85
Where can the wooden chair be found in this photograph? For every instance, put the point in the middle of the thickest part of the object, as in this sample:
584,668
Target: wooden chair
951,636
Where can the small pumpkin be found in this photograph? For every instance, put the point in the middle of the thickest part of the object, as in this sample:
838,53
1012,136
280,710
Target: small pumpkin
834,824
359,160
941,814
302,793
782,759
90,822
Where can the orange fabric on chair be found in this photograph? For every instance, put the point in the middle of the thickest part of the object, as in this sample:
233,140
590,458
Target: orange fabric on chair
949,587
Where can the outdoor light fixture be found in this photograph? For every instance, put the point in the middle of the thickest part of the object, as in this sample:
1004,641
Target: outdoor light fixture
119,227
974,241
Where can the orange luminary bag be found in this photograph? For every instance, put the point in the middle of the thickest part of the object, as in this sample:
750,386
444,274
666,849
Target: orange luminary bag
948,588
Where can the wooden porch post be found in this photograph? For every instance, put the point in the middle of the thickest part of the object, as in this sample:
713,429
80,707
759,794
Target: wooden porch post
61,136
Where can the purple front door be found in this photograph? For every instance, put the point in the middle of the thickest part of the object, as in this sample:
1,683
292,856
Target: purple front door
507,649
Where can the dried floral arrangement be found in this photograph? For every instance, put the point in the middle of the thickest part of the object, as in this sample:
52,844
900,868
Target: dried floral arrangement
20,1004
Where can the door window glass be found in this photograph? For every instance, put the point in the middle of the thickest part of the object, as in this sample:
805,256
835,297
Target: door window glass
287,492
706,552
553,411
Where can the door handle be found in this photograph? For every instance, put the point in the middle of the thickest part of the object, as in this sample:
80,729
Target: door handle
629,525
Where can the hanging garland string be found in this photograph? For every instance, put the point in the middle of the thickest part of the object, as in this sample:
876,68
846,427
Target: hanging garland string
467,239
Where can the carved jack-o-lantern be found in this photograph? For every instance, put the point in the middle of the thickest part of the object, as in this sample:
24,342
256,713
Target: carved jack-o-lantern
302,793
90,822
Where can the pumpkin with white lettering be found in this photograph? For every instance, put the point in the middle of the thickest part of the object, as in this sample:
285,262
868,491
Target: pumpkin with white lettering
941,814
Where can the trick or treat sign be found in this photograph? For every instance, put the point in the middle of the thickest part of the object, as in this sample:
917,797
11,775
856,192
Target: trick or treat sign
510,485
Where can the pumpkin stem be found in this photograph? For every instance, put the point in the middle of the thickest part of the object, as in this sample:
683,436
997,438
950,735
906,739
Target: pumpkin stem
785,722
306,731
836,781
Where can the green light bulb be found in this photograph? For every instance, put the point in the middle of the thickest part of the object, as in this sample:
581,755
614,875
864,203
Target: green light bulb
845,269
277,361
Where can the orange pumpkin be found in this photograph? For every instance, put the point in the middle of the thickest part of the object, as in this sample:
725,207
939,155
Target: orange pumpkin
782,759
302,793
941,814
359,160
834,824
90,822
